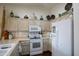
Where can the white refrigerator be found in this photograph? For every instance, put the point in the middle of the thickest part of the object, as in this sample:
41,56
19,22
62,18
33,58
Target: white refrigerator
62,37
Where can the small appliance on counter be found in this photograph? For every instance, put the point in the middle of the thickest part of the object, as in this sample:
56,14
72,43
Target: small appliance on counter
6,34
10,35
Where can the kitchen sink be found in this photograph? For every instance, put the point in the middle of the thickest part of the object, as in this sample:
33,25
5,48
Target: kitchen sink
5,47
2,52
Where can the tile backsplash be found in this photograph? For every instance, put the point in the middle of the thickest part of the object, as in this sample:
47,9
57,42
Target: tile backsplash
20,34
25,34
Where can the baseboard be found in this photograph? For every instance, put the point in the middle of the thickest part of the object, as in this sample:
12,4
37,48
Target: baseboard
47,51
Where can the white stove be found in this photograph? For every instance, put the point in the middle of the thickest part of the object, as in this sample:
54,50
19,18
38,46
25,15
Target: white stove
36,41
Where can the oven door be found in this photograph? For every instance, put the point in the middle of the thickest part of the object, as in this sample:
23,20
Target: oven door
36,45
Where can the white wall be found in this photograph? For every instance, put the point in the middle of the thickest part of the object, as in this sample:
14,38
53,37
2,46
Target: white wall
22,10
28,9
58,9
76,29
38,9
21,24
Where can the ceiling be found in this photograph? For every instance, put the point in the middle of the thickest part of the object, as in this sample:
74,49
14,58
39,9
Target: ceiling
46,5
33,4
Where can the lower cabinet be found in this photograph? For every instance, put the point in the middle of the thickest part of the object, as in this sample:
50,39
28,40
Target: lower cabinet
45,44
25,47
15,52
50,45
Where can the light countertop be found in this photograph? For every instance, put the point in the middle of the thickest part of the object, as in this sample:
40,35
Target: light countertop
12,43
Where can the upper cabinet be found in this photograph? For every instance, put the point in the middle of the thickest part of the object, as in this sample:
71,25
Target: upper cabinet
45,25
19,24
11,24
16,24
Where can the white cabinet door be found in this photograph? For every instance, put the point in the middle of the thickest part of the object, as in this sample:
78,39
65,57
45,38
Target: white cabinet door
23,24
50,45
63,38
12,24
45,44
45,25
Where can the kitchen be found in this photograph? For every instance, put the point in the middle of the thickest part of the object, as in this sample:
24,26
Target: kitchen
27,25
18,27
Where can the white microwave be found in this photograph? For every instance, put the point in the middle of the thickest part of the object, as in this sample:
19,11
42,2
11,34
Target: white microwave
34,28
